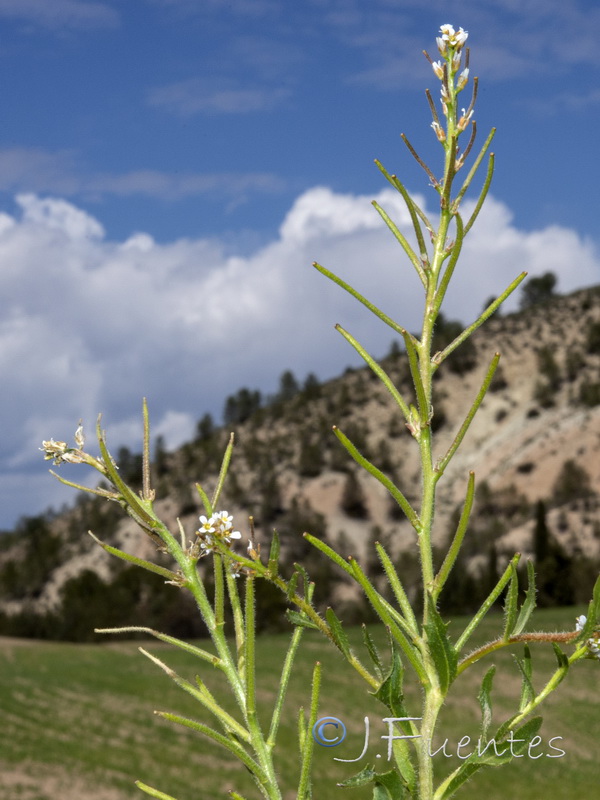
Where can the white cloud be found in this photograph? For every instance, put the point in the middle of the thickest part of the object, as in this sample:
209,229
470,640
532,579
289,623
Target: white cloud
215,96
89,325
37,170
60,13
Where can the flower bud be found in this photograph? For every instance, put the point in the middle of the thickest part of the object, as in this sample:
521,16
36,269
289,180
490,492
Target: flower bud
464,120
438,69
439,131
462,79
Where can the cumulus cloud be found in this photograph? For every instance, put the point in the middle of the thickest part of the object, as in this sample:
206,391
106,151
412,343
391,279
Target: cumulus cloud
89,324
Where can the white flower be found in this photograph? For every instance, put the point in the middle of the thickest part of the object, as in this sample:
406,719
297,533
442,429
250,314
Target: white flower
207,525
223,520
451,37
218,527
580,623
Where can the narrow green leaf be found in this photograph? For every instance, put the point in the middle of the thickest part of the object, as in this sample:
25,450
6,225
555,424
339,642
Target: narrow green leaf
378,370
448,272
203,695
226,741
472,171
402,240
526,667
362,778
189,648
487,603
302,728
132,500
300,570
414,211
510,606
208,509
397,588
378,312
519,744
593,614
485,701
381,608
292,585
483,194
443,462
391,692
154,792
372,650
139,562
379,475
338,634
223,472
562,658
330,553
528,603
273,563
296,618
454,549
441,649
305,785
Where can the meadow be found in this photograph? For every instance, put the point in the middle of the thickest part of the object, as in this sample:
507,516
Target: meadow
77,722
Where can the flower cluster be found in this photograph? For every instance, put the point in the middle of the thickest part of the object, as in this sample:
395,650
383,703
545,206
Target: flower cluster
60,452
451,38
218,528
593,643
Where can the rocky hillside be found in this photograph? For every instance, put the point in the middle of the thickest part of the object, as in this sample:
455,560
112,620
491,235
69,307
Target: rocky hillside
534,447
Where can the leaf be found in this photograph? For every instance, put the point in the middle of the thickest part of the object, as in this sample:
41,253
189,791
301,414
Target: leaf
139,562
489,758
372,650
391,786
274,554
441,649
154,792
292,585
391,693
526,667
299,570
296,618
528,603
362,778
485,701
510,605
338,633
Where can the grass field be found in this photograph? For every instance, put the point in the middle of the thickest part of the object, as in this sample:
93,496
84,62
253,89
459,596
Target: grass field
76,723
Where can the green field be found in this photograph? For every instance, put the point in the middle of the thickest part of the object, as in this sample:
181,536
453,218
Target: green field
77,722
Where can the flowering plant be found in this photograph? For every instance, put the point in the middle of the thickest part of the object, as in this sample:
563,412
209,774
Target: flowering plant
423,644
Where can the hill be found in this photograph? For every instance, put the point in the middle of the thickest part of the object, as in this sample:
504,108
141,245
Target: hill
534,446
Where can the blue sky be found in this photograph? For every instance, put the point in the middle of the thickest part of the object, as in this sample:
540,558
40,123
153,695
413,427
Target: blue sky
170,168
